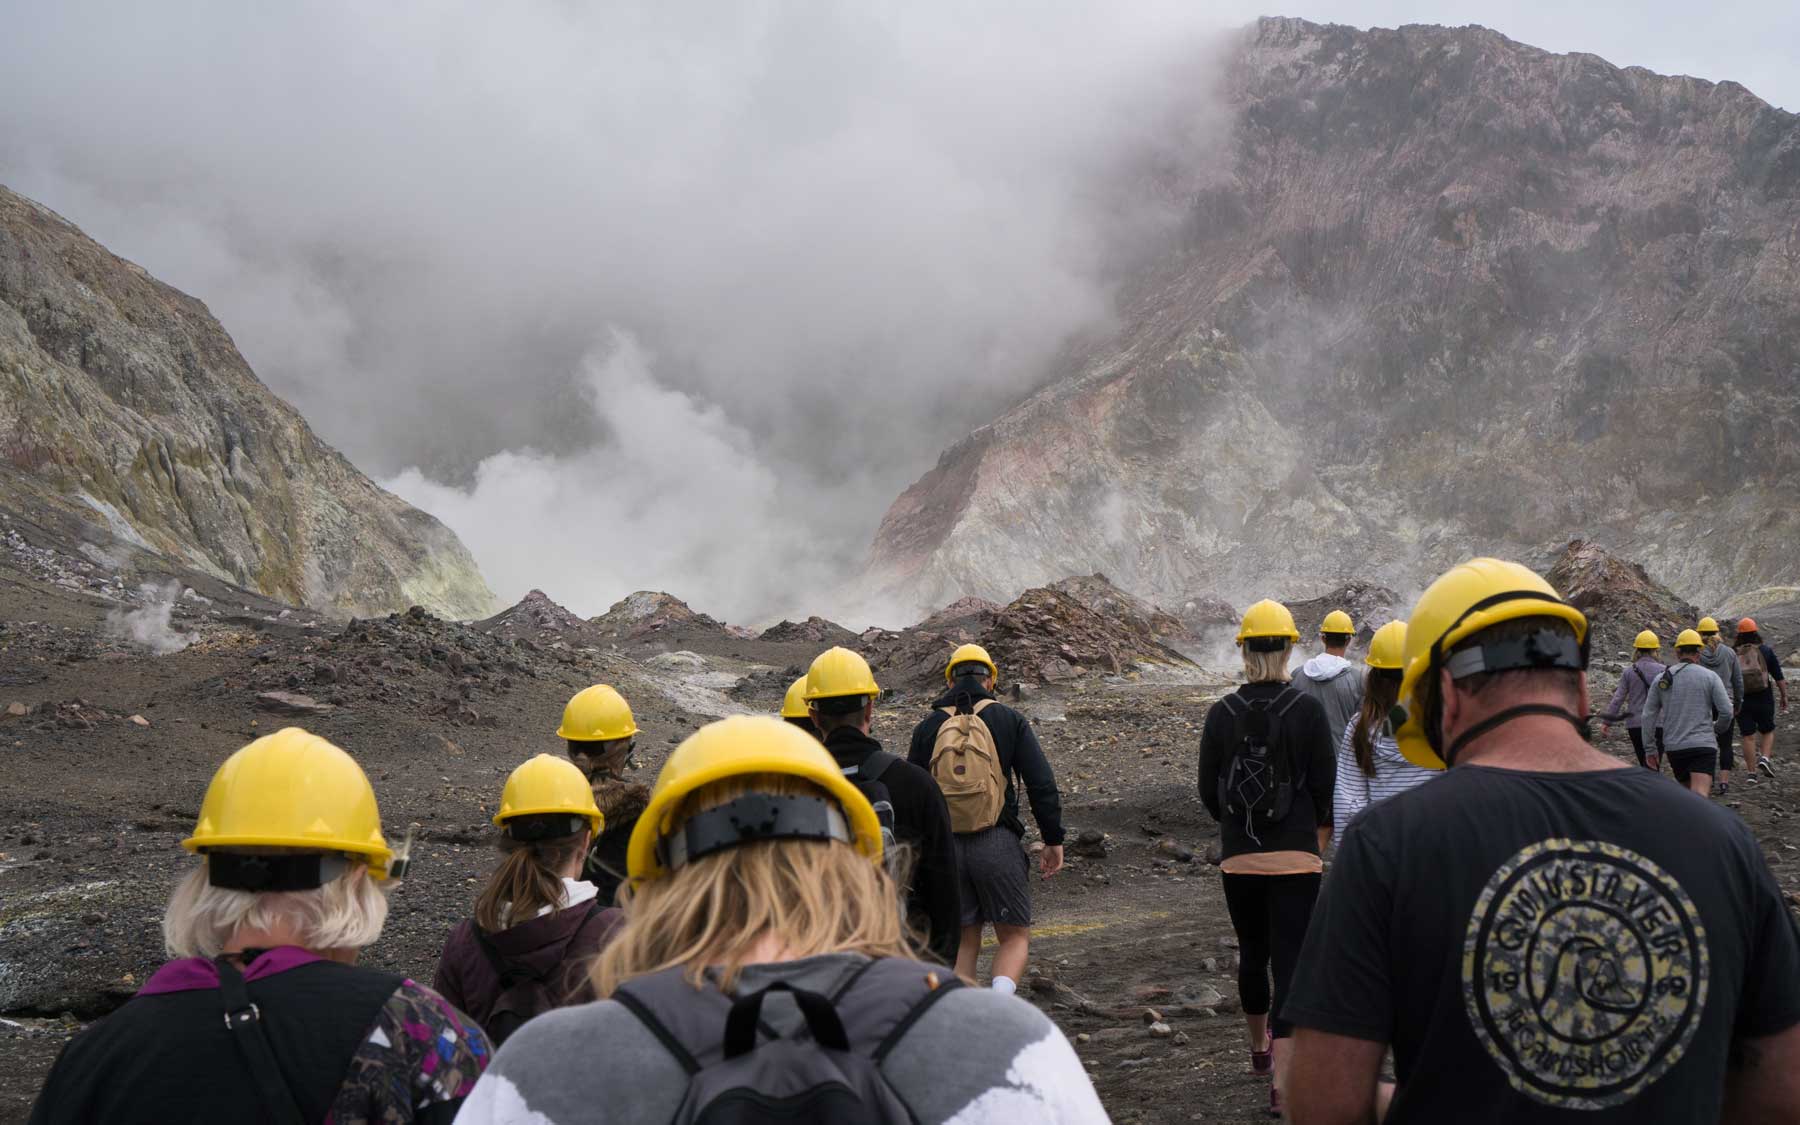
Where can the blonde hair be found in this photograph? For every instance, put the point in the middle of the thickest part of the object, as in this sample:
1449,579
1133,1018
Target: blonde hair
1266,667
346,913
814,896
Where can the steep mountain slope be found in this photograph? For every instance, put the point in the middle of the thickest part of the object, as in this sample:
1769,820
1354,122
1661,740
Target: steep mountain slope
1440,293
123,400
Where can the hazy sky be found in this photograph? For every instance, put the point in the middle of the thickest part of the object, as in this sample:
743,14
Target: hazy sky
678,296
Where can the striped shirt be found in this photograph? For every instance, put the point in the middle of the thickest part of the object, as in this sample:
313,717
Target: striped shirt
1356,790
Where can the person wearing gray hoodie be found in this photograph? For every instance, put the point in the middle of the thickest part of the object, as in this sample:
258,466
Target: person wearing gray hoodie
1628,698
1723,661
1689,704
1331,679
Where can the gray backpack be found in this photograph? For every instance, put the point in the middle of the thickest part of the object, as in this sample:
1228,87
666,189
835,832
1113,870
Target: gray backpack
741,1072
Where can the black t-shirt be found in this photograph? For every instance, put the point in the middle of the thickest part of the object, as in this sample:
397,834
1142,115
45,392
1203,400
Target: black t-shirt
1549,947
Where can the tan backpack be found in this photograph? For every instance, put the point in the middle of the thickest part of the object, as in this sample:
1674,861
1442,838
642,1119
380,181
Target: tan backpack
966,766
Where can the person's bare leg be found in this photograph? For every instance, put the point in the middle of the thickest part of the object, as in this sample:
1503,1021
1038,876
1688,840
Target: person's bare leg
968,952
1014,951
1284,1050
1701,783
1384,1097
1258,1027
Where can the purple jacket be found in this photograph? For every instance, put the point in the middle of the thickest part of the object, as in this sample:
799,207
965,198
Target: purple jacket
557,948
1634,687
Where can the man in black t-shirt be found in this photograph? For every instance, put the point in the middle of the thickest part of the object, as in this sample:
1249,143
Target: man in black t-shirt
1545,934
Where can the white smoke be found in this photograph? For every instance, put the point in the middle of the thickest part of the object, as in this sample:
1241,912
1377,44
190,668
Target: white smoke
149,624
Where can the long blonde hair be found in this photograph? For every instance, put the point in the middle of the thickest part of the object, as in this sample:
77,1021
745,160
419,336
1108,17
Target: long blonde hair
814,896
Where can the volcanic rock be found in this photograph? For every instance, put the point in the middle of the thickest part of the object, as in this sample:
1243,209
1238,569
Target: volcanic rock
539,618
124,403
1618,596
1434,289
1369,605
815,630
649,613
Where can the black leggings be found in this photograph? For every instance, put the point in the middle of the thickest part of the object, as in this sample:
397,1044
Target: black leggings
1270,914
1637,744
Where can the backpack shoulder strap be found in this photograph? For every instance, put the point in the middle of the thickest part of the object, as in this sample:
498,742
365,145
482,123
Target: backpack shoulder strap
496,960
1286,699
884,998
983,705
1234,703
244,1019
872,767
678,1014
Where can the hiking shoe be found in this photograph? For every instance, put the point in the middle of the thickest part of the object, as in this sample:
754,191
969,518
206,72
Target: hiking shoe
1722,788
1768,770
1262,1062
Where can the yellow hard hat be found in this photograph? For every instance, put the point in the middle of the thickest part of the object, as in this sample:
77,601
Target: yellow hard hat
1688,639
1648,641
548,784
1476,595
292,789
971,654
1388,648
597,714
1267,619
837,673
734,747
1708,625
1337,621
793,706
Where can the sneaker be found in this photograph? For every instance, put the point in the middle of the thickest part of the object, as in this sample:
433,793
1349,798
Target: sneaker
1262,1062
1722,788
1768,770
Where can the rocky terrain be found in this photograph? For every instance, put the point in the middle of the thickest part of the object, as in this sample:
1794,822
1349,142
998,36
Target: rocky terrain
128,417
106,748
1437,293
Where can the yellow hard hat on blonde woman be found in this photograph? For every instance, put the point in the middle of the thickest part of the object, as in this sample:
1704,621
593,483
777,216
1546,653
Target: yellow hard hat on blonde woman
735,747
1267,619
1650,642
292,789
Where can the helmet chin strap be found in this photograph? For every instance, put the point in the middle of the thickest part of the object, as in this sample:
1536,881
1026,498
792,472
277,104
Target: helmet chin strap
1498,718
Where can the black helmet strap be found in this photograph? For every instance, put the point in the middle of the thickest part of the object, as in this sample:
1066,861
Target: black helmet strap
1500,718
243,871
752,818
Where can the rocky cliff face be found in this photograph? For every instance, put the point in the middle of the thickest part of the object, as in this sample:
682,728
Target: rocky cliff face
123,400
1441,294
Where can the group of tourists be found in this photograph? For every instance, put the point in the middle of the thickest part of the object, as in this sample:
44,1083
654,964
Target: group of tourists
786,925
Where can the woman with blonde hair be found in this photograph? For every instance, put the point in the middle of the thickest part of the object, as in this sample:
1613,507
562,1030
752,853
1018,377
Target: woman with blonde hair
1370,767
764,972
264,1015
537,926
1266,776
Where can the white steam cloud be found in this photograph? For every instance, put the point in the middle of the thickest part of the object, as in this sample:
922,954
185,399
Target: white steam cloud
149,624
816,243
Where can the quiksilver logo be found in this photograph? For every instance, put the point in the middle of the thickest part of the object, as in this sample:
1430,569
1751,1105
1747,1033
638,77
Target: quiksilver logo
1584,972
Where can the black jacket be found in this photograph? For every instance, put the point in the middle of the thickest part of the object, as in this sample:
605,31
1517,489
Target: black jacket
1305,734
557,948
922,823
1019,752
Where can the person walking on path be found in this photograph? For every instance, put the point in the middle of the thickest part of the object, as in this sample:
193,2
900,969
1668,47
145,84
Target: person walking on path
601,733
1370,767
264,1015
1762,680
1330,678
537,927
974,746
763,973
1627,702
1544,934
840,694
1721,660
1266,775
1689,705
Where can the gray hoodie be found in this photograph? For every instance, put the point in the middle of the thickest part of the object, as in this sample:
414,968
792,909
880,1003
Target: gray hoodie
1690,705
1337,684
1724,664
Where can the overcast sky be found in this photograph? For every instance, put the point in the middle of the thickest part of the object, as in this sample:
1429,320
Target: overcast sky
642,294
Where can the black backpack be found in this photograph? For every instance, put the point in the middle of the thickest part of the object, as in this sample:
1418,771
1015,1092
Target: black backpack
866,776
740,1072
524,994
1258,782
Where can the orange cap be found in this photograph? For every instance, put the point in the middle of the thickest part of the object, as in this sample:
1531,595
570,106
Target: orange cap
1747,625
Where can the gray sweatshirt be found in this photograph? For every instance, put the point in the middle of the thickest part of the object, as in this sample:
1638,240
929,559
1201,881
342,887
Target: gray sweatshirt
1690,705
1723,663
973,1058
1337,684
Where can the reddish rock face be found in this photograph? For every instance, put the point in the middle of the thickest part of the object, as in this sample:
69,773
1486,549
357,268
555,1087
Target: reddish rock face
1440,294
